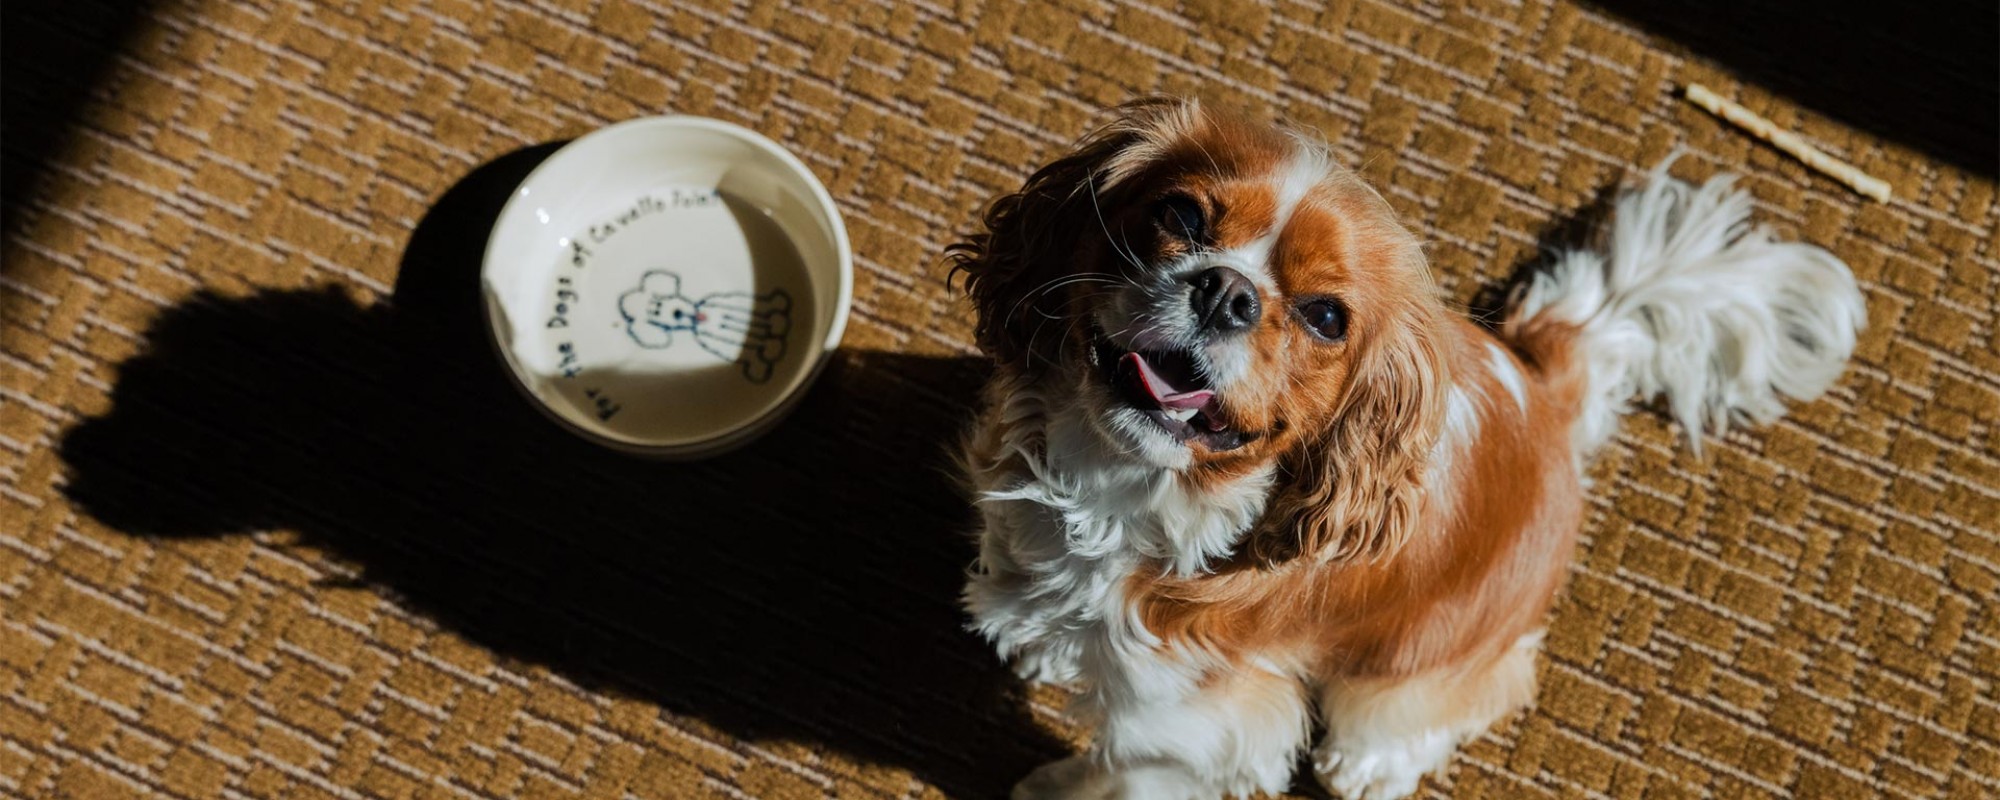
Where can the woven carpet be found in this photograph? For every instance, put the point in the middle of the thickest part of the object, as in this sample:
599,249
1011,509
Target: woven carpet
272,524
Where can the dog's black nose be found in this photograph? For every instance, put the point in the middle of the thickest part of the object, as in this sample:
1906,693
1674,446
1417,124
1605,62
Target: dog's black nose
1224,301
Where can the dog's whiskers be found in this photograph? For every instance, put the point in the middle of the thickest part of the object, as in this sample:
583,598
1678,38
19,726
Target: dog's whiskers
1090,180
1059,282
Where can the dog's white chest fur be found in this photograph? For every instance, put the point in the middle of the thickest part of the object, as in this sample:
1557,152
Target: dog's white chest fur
1066,520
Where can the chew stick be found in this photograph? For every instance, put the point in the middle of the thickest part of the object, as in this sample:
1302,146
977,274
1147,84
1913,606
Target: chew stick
1868,185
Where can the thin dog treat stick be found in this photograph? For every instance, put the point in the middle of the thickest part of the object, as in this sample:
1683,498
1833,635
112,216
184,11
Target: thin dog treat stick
1868,185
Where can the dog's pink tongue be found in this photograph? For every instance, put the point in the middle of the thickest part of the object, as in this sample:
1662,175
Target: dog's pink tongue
1163,392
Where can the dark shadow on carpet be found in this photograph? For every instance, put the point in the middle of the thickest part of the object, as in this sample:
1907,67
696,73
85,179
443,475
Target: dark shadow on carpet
1925,74
53,55
803,588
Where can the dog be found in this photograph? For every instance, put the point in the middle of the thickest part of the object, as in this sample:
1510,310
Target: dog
738,327
1240,465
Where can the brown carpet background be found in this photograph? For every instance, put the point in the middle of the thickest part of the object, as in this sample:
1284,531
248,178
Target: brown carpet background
264,532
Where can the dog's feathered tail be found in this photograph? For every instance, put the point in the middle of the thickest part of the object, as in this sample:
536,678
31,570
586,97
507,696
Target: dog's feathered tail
1685,297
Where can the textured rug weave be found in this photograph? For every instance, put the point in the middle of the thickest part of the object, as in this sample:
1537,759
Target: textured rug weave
272,525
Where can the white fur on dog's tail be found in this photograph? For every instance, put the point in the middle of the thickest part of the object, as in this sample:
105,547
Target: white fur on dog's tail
1686,297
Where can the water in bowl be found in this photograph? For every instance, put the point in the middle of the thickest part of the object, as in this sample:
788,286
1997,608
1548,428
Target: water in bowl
684,312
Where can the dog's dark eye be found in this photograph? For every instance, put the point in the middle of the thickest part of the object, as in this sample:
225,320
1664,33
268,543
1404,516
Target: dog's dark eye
1325,317
1181,216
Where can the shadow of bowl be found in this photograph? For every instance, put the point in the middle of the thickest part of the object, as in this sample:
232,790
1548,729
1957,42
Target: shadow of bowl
803,588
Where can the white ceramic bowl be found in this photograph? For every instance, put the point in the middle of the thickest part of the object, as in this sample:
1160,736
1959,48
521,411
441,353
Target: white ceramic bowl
668,285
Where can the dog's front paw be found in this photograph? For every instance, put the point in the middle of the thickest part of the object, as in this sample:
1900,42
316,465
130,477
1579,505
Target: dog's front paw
1046,666
1385,770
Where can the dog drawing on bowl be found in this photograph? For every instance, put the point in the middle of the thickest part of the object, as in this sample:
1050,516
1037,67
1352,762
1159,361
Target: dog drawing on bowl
748,329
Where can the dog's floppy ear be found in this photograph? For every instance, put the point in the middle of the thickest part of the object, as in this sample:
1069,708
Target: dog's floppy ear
1042,233
632,305
661,282
648,335
1355,490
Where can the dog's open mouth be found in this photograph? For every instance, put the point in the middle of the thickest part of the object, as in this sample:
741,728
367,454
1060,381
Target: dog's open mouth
1168,387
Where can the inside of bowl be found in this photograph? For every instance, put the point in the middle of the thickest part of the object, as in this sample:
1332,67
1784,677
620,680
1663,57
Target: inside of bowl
665,287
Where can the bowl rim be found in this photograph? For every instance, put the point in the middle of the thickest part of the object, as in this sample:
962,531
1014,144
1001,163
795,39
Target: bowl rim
722,439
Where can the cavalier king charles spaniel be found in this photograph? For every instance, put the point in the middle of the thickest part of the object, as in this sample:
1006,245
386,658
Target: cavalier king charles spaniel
1242,469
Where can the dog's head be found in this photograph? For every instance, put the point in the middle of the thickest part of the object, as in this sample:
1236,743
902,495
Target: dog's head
1225,300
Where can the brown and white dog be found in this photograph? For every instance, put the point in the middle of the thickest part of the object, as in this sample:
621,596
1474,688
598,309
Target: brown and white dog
1241,464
